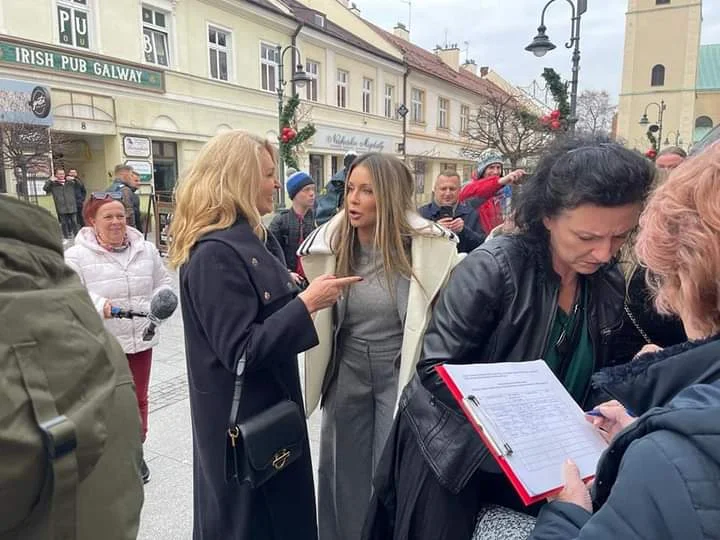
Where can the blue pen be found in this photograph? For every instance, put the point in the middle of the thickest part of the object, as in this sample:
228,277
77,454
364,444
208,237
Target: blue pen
597,413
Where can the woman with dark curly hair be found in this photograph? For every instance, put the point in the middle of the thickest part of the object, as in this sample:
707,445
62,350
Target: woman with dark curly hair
548,291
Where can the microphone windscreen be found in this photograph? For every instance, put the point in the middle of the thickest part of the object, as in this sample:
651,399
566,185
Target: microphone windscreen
163,304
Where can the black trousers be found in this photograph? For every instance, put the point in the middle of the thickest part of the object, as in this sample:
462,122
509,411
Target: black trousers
68,224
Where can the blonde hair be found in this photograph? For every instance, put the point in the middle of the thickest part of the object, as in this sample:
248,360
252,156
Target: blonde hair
394,190
222,183
679,242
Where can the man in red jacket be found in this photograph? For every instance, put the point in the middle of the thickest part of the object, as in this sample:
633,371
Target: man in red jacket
483,193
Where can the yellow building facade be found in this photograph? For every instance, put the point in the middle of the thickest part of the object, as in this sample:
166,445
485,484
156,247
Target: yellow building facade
665,67
148,83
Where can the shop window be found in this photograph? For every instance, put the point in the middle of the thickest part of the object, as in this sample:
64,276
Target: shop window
419,171
156,31
317,170
73,23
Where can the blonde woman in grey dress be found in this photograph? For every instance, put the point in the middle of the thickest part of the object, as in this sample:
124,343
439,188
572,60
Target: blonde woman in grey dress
370,342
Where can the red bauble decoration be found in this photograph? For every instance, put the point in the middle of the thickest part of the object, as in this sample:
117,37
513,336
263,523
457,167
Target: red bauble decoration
292,134
545,119
555,124
652,153
555,115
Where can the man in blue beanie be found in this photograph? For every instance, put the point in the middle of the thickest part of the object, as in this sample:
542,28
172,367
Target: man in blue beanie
292,225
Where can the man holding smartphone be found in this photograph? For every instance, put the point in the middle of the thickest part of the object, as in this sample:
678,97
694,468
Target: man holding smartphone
445,209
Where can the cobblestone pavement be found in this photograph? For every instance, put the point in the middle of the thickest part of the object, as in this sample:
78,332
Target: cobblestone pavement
167,513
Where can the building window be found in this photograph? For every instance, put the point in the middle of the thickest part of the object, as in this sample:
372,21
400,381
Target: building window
73,23
389,101
319,20
658,75
312,69
419,170
448,167
335,164
660,2
367,86
342,88
466,173
317,170
219,42
417,103
269,63
703,126
464,119
443,110
155,36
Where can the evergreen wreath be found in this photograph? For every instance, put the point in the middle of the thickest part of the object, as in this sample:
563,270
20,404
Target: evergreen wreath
290,138
557,120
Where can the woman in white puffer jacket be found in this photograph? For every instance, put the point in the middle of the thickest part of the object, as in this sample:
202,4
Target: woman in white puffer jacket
122,270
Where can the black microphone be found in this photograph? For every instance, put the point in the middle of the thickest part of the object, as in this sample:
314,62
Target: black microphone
162,305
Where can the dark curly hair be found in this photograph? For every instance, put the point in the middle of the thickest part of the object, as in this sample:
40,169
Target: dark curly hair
577,171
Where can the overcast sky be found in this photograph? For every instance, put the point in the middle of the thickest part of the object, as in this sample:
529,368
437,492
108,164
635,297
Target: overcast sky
499,30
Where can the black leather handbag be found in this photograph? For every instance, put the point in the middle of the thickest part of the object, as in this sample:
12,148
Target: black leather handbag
260,447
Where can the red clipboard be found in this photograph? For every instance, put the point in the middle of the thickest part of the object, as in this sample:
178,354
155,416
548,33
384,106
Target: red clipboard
494,446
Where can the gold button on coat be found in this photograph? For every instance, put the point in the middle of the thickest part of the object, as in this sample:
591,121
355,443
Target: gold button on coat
254,261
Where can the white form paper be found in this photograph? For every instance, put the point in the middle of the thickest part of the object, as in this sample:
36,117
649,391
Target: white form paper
524,406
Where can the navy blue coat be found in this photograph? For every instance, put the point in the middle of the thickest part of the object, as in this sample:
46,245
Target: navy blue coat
238,299
472,234
660,478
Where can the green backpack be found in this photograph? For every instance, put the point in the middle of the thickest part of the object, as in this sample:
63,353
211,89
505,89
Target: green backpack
69,425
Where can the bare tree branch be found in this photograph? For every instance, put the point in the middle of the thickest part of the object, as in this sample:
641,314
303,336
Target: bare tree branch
503,123
595,112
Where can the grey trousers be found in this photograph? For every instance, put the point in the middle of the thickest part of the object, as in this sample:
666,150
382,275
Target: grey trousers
356,422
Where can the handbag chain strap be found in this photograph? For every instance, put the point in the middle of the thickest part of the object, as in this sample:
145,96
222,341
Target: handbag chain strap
637,326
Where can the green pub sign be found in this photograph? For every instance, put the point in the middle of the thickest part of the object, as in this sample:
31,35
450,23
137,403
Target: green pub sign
80,65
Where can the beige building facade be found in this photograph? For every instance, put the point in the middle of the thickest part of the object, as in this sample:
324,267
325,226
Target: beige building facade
665,67
148,83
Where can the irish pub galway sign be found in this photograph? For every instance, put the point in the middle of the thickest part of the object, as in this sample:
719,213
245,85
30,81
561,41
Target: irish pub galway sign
79,65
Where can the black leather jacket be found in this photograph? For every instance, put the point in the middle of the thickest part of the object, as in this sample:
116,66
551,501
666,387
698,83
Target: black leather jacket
497,307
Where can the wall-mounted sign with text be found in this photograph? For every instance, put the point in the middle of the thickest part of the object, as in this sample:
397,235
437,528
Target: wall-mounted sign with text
137,146
46,58
142,167
327,138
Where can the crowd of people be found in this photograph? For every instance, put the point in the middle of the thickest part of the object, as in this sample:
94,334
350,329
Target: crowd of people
606,268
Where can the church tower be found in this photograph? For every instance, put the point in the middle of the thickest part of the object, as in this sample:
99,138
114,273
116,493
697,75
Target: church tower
660,64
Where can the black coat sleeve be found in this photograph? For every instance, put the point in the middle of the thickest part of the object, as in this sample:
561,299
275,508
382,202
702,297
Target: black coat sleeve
463,321
472,234
228,309
649,500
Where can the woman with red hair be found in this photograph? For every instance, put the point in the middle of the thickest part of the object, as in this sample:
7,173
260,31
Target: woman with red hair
660,477
120,269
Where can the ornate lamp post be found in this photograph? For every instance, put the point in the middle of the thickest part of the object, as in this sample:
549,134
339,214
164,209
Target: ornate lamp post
541,45
655,127
299,78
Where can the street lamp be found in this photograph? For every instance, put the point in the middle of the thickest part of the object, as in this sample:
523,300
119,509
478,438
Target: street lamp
644,121
541,45
299,78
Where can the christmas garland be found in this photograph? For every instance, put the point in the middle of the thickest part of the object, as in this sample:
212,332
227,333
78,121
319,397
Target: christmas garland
652,152
557,120
290,138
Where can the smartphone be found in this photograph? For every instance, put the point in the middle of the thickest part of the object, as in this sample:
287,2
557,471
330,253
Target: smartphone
445,212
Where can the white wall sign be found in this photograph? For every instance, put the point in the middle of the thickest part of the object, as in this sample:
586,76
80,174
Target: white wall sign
137,146
143,168
327,138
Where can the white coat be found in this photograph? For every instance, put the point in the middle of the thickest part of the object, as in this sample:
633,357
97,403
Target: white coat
127,280
434,255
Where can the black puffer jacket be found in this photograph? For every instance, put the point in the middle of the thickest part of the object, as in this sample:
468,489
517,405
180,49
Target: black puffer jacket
498,307
660,478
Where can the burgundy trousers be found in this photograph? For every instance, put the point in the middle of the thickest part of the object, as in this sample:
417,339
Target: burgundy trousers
140,368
